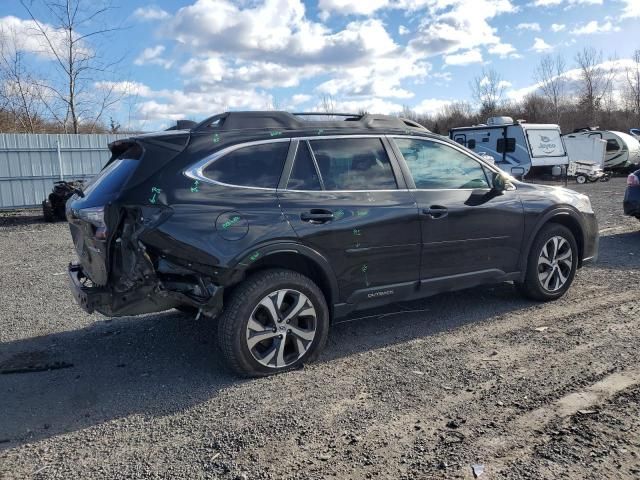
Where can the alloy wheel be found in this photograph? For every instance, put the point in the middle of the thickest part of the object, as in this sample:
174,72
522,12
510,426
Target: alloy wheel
281,328
555,263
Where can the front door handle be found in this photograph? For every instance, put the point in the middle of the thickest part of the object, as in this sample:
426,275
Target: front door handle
435,211
317,215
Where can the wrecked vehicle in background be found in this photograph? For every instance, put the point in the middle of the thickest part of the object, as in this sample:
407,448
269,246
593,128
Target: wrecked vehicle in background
53,208
279,225
631,202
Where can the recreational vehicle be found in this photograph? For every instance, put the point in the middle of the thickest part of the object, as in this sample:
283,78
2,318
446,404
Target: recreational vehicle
622,150
516,147
635,132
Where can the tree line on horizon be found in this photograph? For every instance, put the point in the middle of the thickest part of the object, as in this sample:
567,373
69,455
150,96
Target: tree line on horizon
588,92
599,94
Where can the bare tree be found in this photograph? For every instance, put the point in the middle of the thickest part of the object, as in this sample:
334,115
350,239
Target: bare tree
632,87
19,94
550,75
70,38
488,90
327,104
595,82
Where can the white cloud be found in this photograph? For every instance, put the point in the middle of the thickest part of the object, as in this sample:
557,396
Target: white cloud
631,9
534,27
349,7
24,35
540,46
594,27
150,13
464,58
275,31
454,25
153,56
402,30
369,105
572,79
558,27
300,98
430,106
546,3
503,50
552,3
126,88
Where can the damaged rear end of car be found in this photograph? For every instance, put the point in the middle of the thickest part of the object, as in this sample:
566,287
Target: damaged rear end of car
123,266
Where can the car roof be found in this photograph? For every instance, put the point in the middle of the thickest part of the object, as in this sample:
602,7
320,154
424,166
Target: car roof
313,121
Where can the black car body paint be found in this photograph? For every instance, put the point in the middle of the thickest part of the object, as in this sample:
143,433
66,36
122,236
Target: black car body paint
174,237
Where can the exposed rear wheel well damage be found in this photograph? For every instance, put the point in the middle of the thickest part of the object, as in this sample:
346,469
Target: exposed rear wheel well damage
573,225
297,263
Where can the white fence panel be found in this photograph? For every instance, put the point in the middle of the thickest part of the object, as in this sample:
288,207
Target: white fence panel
30,163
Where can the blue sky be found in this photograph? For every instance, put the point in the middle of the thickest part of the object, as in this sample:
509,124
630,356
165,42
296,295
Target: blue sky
193,58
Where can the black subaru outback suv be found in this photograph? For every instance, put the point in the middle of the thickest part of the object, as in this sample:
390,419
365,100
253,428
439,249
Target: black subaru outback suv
279,224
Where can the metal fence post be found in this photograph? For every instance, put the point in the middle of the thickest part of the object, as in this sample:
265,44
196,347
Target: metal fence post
59,158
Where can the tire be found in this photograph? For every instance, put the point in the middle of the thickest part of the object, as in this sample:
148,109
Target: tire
533,286
581,179
248,316
47,212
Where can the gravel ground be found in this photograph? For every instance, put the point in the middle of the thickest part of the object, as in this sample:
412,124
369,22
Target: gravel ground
425,389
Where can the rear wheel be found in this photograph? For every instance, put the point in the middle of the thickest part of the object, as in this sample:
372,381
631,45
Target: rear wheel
581,179
552,264
274,321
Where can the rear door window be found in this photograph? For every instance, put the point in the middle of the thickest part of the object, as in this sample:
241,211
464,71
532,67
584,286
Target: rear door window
436,166
353,164
251,166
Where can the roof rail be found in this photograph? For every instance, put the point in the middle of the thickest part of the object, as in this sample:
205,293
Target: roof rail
326,114
264,120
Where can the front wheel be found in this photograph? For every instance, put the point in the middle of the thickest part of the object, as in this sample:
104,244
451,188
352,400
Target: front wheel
274,321
552,264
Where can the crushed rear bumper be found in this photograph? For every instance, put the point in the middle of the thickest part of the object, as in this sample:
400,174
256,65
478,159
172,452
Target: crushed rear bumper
146,299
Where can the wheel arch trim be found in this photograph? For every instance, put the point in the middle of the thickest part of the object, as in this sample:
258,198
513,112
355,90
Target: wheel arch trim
563,213
248,261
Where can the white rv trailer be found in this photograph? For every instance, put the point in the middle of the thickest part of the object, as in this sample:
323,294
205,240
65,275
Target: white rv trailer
622,150
516,146
635,132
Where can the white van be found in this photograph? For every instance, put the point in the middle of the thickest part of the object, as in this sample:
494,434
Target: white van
622,150
515,146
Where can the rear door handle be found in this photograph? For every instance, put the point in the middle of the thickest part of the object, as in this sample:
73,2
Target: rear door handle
317,215
435,211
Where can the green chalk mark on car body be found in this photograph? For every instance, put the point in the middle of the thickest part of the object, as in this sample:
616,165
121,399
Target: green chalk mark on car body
364,269
195,188
320,132
357,232
362,213
339,214
275,133
231,222
254,257
155,191
216,138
